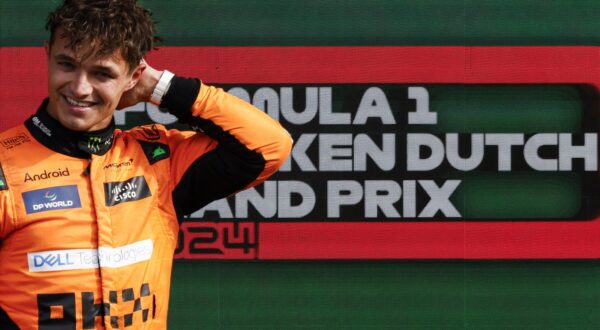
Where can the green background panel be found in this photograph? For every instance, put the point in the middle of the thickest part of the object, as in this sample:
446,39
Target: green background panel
509,195
370,294
386,295
349,22
507,108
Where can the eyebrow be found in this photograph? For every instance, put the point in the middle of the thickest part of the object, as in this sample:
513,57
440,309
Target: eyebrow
103,68
63,57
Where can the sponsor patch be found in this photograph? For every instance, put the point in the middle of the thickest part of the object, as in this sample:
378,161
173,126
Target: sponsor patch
38,123
47,174
130,190
15,141
3,183
54,198
128,163
155,151
105,257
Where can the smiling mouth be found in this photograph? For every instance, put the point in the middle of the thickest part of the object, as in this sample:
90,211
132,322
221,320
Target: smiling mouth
81,104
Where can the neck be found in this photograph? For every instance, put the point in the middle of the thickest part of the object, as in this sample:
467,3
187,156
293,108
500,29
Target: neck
52,134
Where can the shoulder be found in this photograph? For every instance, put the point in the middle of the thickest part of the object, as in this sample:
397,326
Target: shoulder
151,133
15,139
153,140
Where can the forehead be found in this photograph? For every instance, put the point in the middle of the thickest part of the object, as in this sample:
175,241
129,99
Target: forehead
87,54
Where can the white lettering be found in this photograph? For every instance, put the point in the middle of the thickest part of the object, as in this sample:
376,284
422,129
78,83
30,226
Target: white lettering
531,152
342,192
505,142
326,115
299,154
439,198
267,100
414,143
384,157
335,152
454,158
588,151
287,107
374,103
422,115
285,207
381,195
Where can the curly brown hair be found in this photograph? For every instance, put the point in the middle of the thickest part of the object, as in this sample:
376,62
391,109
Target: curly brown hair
105,25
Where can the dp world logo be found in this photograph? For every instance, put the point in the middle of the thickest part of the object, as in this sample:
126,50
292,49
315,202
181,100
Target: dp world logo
54,198
50,196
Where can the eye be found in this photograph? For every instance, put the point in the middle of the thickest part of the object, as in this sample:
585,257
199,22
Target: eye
103,75
66,65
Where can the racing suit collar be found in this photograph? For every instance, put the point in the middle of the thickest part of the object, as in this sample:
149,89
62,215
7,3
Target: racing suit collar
49,132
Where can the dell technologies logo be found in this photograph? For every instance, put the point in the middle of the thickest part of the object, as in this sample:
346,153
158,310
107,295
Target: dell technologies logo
103,256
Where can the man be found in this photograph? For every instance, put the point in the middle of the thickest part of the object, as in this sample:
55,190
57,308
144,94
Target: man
88,213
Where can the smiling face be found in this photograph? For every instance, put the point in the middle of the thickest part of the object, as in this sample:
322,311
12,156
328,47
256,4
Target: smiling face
84,91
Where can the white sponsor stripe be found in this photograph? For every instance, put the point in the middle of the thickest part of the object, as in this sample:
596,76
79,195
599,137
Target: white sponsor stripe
105,257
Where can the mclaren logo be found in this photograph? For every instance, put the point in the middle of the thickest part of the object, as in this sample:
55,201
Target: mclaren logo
128,163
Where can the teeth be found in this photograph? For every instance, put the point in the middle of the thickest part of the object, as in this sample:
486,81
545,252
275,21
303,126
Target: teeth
77,103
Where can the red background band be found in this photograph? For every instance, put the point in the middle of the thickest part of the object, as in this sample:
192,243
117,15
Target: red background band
23,86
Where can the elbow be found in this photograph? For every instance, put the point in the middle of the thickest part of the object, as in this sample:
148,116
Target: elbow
281,150
277,153
286,148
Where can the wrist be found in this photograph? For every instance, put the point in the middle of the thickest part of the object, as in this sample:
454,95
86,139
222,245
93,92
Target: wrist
163,82
181,96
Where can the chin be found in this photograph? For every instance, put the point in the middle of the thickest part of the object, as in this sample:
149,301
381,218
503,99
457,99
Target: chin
76,125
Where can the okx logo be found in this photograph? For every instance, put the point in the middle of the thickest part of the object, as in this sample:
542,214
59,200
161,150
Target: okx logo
48,199
128,307
130,190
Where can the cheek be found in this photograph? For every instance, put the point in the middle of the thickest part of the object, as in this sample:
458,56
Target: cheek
57,80
110,93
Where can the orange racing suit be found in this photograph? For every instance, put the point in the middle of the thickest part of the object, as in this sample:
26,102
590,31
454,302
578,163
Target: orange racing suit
89,222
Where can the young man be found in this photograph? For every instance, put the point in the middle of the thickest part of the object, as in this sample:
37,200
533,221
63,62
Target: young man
88,213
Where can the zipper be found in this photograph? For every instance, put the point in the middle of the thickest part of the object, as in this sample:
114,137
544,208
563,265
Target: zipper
88,168
87,173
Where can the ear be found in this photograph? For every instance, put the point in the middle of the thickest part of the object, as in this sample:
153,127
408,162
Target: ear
136,75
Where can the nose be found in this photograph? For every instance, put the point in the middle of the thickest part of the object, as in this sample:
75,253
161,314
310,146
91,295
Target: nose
80,86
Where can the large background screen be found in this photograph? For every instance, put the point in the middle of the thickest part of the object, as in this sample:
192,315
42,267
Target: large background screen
444,172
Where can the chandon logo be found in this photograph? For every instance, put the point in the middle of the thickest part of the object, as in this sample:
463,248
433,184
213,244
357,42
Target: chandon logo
47,175
130,190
